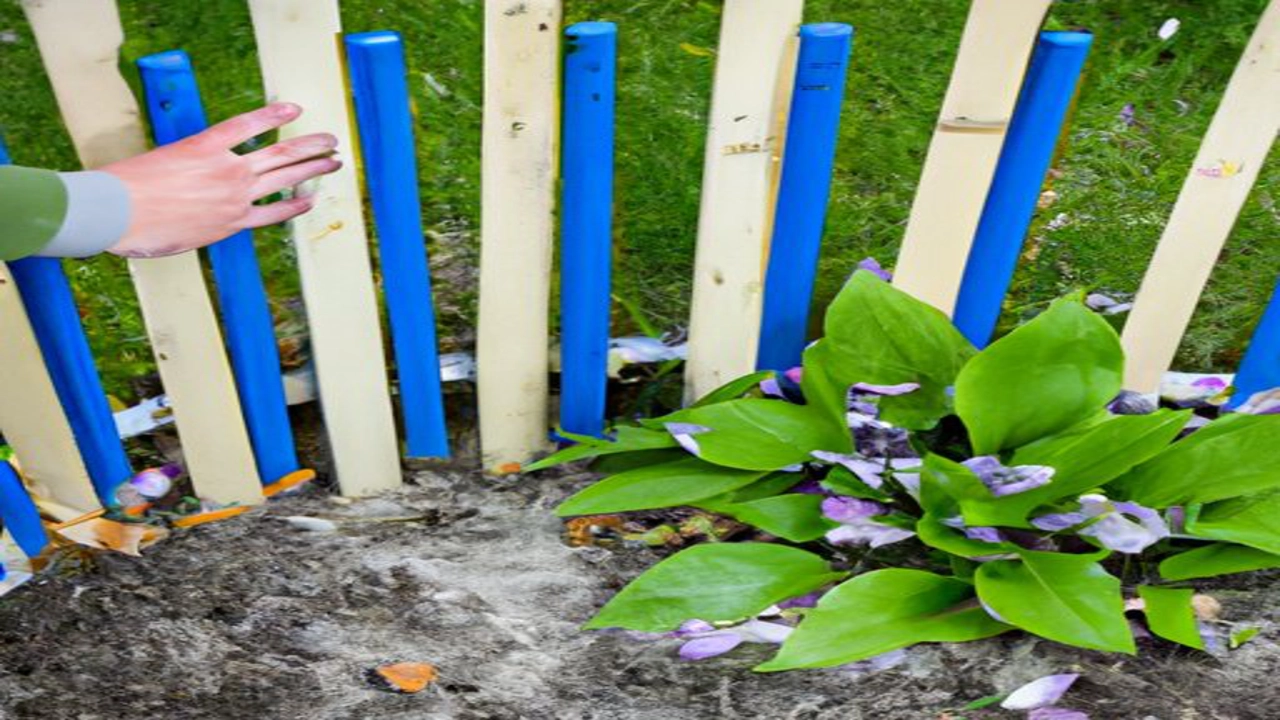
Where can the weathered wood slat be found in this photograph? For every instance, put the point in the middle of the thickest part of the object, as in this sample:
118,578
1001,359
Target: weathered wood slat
1224,171
298,46
517,223
754,71
31,417
79,42
990,65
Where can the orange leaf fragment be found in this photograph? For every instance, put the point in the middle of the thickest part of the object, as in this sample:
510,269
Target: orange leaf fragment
406,677
103,534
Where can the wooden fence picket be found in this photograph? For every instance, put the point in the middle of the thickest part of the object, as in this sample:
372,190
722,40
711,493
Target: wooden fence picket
755,68
79,43
31,416
1221,177
990,65
517,222
298,46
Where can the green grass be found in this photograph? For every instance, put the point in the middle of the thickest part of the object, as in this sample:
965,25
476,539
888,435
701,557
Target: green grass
1116,185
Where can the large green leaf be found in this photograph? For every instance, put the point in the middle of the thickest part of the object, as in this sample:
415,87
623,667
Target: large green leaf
627,439
881,611
795,517
1042,378
1170,614
1067,598
1230,457
655,486
1252,521
725,581
1214,560
875,333
754,434
768,486
1085,460
948,488
734,389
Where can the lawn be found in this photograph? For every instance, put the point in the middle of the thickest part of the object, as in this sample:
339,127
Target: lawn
1116,178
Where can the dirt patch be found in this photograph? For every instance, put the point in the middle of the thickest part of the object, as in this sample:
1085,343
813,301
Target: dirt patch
256,618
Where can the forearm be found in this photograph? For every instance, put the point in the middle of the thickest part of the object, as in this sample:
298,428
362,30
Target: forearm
52,214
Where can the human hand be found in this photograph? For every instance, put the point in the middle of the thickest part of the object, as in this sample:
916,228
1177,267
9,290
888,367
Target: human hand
198,191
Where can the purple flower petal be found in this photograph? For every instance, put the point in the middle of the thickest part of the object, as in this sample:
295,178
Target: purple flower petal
1059,521
770,387
862,413
1039,693
683,434
710,645
1056,713
847,509
1129,402
868,471
760,631
794,374
1119,533
1003,480
885,390
873,267
867,532
984,534
693,627
1266,402
1176,519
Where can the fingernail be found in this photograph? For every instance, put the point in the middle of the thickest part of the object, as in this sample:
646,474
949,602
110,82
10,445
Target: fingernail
287,109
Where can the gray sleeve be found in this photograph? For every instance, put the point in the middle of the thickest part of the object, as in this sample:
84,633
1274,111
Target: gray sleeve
98,214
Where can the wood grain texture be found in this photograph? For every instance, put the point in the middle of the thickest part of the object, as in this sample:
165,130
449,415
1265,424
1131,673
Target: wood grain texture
1221,177
79,42
754,71
517,225
31,417
994,50
298,46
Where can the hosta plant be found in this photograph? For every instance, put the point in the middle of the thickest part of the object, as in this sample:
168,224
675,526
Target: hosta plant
912,489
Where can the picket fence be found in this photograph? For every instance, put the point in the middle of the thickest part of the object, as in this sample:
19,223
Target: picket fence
548,128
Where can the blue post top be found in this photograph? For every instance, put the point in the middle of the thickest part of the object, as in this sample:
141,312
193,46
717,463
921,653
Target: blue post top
172,97
374,37
826,30
1067,38
593,28
4,153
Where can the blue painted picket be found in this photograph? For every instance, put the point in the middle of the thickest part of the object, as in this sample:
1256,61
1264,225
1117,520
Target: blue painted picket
376,61
176,111
586,223
802,195
1260,368
19,514
55,319
1028,150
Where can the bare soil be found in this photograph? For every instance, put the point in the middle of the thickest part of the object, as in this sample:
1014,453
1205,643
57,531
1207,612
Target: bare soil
256,618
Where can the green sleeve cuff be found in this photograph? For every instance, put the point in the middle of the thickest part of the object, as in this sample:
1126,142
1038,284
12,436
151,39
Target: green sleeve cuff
33,205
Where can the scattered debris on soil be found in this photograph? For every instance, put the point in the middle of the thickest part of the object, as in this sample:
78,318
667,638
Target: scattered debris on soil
267,616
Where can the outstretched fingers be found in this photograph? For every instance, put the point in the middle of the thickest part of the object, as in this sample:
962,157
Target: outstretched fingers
234,131
293,175
288,152
278,212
